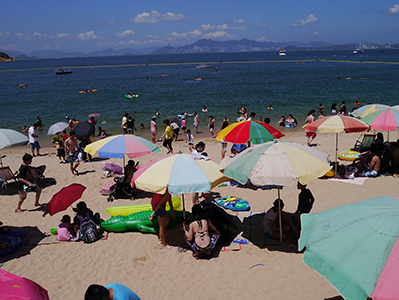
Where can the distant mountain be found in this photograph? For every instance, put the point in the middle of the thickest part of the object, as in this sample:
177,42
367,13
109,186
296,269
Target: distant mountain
205,46
25,57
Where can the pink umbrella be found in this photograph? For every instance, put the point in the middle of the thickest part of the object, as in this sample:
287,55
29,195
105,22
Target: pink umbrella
94,115
384,119
15,287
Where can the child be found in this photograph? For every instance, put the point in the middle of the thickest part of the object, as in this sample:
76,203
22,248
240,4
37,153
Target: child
65,229
183,124
167,143
190,140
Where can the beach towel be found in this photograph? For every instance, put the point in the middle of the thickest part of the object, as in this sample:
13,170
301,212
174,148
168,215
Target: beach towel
52,239
356,180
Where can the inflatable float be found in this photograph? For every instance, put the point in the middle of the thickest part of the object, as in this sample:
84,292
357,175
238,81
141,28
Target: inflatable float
137,221
130,209
348,155
233,203
131,96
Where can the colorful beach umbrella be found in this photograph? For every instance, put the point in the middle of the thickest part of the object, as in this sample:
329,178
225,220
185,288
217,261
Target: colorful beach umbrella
355,247
337,124
9,137
386,119
119,145
254,131
368,109
64,198
179,173
276,163
94,115
15,287
57,127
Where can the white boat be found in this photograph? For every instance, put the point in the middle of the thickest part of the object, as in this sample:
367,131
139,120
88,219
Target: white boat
282,52
203,66
357,50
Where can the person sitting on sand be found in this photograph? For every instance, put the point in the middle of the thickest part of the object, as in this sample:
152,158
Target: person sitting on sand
113,291
158,203
270,221
82,213
65,230
373,167
281,122
197,235
24,185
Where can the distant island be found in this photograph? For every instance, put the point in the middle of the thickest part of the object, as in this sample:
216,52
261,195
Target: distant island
210,46
4,57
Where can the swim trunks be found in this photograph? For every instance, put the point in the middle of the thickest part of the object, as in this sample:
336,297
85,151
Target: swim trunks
212,244
72,157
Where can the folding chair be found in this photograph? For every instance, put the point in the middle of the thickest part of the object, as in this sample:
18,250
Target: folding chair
368,140
6,174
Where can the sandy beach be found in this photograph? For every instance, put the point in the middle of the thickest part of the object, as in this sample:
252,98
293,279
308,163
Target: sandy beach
136,260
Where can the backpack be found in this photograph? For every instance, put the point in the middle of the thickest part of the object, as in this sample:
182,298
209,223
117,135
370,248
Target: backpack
88,229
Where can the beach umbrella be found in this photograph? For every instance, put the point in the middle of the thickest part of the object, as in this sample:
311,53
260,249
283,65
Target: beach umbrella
355,247
9,137
83,130
57,127
119,145
385,119
175,119
15,287
337,124
276,163
94,115
368,109
64,198
254,131
179,173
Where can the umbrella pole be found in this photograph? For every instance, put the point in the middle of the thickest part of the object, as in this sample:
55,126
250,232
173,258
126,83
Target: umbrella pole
336,154
279,218
184,207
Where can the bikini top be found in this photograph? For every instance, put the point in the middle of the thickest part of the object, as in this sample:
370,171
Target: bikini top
201,234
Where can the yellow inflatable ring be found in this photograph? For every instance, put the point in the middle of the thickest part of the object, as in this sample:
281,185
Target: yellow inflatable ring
348,155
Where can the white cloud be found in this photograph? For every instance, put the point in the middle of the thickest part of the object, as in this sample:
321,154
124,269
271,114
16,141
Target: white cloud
36,34
240,21
4,34
121,43
108,22
62,35
175,35
134,42
310,20
263,39
195,32
155,16
394,10
125,33
20,35
155,37
8,47
242,28
315,33
220,34
88,35
260,24
46,47
209,17
208,27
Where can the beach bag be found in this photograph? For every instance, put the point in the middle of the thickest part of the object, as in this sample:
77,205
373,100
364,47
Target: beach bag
88,229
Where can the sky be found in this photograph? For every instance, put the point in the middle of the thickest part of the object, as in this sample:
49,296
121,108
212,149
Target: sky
88,25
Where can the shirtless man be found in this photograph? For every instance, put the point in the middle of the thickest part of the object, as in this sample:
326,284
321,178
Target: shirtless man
374,165
72,151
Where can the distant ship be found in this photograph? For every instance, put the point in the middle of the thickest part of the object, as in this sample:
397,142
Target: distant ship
357,51
62,71
282,52
203,66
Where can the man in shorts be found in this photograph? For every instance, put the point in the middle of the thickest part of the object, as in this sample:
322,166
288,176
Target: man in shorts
24,185
72,151
124,123
34,144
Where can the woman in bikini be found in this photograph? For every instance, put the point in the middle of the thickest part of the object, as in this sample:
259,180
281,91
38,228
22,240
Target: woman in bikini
197,235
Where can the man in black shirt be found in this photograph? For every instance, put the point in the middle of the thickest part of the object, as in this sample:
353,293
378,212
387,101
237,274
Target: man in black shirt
305,200
24,185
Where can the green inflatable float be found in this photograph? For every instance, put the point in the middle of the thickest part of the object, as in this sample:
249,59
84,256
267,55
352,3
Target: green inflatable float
137,221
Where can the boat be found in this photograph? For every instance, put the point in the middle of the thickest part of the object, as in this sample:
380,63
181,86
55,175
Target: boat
357,51
62,71
282,52
203,66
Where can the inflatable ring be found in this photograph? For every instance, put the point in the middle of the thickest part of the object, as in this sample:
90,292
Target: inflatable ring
233,203
348,155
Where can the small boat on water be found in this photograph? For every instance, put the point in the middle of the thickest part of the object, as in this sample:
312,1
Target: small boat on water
62,71
203,66
282,52
357,51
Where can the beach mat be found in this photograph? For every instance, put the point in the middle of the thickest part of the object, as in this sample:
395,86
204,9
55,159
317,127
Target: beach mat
250,229
15,234
52,239
356,180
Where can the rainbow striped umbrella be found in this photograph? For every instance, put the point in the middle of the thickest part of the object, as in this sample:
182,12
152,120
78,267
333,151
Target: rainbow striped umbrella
119,145
368,109
179,173
385,119
254,131
355,247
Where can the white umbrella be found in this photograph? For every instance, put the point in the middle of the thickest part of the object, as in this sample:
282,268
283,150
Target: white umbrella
57,127
9,137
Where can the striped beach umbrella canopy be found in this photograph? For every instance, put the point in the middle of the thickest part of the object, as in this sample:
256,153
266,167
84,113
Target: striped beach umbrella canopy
385,119
368,109
254,131
355,247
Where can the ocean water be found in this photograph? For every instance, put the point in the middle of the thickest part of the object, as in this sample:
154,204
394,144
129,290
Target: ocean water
293,84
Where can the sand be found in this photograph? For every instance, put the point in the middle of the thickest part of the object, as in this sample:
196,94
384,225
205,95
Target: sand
136,260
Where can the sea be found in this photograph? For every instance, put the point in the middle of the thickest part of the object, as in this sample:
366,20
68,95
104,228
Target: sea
292,84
